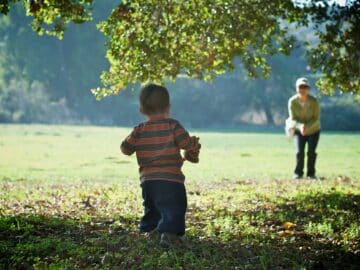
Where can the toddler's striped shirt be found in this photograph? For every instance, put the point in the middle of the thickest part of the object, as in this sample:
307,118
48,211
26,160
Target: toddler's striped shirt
157,144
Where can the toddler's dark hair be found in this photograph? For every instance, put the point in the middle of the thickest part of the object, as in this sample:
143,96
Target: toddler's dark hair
154,99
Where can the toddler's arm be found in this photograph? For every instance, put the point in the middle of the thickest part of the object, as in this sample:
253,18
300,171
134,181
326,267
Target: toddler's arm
127,147
183,139
191,145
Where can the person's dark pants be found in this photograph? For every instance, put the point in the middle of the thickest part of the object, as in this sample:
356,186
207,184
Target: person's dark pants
165,205
300,142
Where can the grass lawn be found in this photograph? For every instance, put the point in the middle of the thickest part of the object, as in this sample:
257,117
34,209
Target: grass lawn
70,200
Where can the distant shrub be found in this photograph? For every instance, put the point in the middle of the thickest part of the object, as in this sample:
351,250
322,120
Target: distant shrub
341,114
22,102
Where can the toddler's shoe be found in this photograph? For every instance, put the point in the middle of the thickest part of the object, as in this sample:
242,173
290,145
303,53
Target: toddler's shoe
170,240
153,235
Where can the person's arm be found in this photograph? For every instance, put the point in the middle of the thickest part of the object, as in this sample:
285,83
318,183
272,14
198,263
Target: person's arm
314,124
183,139
292,116
291,110
191,145
128,146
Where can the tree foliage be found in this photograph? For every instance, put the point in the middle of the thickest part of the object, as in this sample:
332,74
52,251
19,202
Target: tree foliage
337,55
67,68
152,40
51,16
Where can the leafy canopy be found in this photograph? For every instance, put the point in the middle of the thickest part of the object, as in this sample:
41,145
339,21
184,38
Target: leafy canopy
337,54
151,40
51,16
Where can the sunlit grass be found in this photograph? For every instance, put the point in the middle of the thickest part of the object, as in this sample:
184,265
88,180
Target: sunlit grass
92,153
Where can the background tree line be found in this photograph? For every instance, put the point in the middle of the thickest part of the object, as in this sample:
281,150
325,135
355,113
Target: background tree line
46,80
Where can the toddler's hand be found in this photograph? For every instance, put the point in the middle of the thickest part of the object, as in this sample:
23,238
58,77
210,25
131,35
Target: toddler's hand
197,144
192,156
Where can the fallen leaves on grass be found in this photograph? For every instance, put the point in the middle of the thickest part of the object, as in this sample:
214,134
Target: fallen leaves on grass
243,225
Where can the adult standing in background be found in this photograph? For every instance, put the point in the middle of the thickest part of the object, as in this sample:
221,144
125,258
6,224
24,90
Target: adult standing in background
304,124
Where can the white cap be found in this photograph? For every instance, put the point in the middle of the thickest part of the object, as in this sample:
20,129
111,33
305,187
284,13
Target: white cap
302,81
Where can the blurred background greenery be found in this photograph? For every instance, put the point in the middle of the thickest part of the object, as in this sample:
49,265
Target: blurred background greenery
46,80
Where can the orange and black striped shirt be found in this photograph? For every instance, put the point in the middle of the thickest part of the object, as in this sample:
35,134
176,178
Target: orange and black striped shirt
157,144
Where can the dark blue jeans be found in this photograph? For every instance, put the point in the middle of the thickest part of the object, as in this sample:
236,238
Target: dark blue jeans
165,205
300,142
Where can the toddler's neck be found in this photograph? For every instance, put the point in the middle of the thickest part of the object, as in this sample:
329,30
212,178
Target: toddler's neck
158,116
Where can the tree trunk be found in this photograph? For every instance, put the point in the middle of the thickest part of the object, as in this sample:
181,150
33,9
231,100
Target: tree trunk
265,103
268,113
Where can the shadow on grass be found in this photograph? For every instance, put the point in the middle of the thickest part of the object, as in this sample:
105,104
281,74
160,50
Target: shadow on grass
324,234
313,230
